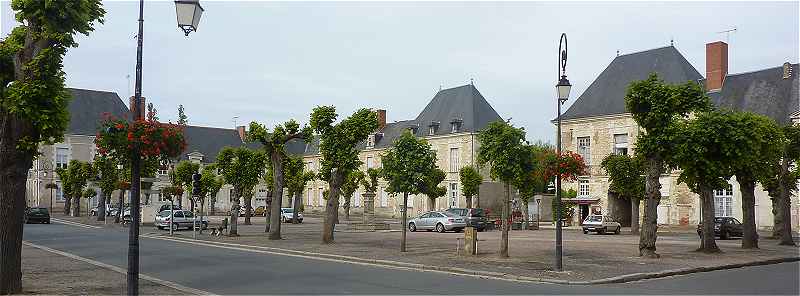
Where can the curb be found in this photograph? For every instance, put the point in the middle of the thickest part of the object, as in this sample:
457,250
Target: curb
490,274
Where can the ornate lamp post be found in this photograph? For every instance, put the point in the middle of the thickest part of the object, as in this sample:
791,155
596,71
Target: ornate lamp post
188,22
562,88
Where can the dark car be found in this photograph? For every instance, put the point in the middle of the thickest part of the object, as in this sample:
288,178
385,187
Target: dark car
37,215
724,227
474,217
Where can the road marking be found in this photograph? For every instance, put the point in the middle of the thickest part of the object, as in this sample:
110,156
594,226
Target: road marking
173,285
309,255
74,223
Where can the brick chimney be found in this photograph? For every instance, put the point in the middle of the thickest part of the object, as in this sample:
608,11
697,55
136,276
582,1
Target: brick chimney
381,118
242,132
716,65
142,106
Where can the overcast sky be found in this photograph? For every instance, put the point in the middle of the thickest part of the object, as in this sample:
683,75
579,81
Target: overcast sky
272,61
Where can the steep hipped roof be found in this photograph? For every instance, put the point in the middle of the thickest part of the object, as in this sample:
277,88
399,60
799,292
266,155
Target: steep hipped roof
464,103
209,141
606,95
87,107
765,92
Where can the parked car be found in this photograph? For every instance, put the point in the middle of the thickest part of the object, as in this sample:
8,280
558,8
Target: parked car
37,215
724,227
439,221
180,219
95,210
286,215
473,217
166,207
600,224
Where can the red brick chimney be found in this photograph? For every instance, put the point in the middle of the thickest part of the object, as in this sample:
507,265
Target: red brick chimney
716,65
381,118
242,132
142,107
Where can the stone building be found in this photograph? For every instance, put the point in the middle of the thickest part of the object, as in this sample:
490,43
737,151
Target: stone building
597,125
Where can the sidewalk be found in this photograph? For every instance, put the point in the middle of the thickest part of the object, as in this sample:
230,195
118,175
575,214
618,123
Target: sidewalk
46,273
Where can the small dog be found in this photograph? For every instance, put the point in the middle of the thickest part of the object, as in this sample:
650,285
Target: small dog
217,231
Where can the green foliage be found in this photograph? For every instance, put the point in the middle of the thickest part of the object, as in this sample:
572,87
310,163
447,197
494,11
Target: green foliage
31,76
296,175
274,142
351,183
152,112
109,173
370,180
210,183
471,180
183,174
626,175
338,141
430,185
501,148
571,193
74,177
241,167
182,119
410,166
656,106
88,193
171,192
705,149
566,208
789,147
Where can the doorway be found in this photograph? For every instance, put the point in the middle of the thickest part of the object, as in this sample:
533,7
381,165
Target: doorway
584,209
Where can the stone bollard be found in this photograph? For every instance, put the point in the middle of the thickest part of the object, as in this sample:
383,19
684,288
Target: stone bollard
471,240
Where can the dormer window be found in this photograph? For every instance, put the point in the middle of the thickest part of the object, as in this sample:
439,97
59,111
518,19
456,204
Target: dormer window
433,128
455,125
371,141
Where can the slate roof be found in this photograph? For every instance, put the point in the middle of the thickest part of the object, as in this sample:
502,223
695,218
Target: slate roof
464,103
209,141
606,95
86,110
765,92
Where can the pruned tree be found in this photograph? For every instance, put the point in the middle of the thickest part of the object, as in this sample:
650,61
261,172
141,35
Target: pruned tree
430,187
33,107
471,181
501,148
242,168
408,167
152,112
296,179
88,193
626,179
73,180
210,183
339,154
656,106
528,181
782,181
183,177
109,180
351,183
182,119
274,147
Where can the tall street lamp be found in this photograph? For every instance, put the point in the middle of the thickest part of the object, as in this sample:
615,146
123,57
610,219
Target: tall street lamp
562,88
187,22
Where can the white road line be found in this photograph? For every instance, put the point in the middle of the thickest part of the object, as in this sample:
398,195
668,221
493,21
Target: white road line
173,285
65,222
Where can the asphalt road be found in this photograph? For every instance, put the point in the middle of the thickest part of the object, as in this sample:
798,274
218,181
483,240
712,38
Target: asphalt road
226,271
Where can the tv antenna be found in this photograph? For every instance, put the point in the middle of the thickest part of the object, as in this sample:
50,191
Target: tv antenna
728,34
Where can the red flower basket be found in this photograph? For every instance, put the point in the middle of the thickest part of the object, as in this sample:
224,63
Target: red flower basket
154,139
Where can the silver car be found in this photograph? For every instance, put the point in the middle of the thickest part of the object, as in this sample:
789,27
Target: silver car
182,219
439,221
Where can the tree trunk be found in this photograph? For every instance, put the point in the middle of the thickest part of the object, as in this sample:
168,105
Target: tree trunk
234,231
346,207
101,207
526,218
76,207
277,195
786,204
14,166
505,224
119,206
202,204
707,242
248,208
478,200
405,222
211,204
635,215
750,236
648,234
67,204
777,220
332,206
431,204
296,206
469,201
268,212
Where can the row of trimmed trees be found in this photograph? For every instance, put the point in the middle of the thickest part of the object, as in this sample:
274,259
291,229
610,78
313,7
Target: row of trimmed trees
681,131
